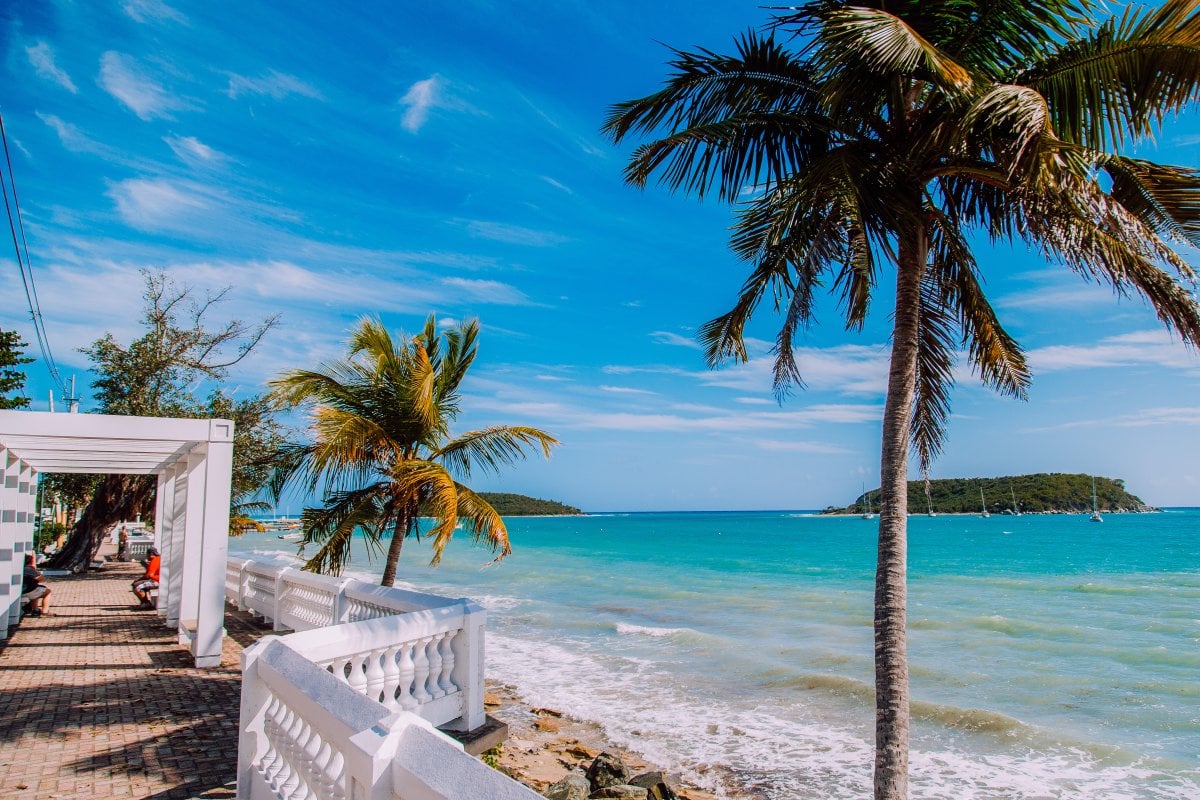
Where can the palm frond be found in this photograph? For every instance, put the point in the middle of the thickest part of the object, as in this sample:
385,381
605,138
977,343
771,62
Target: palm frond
331,527
491,448
935,373
483,522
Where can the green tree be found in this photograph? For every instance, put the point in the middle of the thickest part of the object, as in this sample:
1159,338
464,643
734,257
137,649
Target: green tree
12,378
155,375
888,135
382,448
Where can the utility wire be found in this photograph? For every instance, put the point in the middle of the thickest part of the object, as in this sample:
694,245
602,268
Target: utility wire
25,266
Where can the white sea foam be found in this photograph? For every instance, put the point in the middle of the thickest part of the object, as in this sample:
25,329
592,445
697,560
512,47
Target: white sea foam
626,628
739,748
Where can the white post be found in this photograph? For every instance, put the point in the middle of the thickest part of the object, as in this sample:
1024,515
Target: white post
214,546
10,565
160,504
170,551
252,738
468,666
191,543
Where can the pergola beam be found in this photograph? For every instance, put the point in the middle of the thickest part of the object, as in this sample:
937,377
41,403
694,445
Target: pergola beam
193,461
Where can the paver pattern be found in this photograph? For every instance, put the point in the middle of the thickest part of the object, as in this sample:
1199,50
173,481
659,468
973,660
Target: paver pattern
100,700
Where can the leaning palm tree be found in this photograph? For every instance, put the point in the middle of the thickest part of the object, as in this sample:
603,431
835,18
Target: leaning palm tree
382,451
856,138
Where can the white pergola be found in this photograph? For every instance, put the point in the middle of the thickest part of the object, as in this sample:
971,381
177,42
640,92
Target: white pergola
193,459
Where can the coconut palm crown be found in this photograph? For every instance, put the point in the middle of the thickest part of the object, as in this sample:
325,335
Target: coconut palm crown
382,451
858,138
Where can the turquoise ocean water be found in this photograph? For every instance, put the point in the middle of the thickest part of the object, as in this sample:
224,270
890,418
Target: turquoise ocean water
1051,657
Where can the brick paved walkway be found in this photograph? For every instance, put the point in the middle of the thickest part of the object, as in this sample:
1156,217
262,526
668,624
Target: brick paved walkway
100,701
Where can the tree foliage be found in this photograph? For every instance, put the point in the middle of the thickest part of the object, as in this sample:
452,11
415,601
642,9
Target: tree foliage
1033,494
508,504
159,374
12,377
858,138
382,450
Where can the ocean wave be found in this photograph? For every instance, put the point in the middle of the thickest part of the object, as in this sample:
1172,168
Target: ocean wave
627,629
787,749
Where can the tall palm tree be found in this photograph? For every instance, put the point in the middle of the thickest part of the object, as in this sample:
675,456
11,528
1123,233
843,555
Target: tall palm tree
382,450
883,135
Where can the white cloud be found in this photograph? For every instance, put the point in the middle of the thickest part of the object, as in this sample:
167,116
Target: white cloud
1081,296
41,56
484,291
819,448
149,205
123,78
274,84
512,234
1174,416
151,11
193,151
419,99
666,337
624,390
1156,348
557,185
71,136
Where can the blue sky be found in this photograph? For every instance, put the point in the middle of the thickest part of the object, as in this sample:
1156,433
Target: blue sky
405,159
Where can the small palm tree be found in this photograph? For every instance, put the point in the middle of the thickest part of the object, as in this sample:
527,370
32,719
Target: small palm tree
382,450
875,136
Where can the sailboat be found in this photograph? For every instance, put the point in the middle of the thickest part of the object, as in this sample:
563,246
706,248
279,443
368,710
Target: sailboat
1016,511
867,514
1095,511
983,503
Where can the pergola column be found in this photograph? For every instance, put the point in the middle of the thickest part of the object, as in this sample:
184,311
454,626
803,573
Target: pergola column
214,550
10,565
170,585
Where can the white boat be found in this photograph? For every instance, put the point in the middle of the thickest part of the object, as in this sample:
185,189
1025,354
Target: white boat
1095,511
983,503
292,537
1016,511
867,514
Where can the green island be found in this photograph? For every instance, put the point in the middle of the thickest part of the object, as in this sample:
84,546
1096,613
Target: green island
519,505
1040,493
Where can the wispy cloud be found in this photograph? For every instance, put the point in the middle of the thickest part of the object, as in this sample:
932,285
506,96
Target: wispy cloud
513,234
667,337
274,84
123,78
560,186
1142,348
193,151
151,11
41,56
151,204
819,448
1080,296
71,137
419,99
624,390
1147,417
485,291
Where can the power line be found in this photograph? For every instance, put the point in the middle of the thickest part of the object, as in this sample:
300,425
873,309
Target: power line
25,266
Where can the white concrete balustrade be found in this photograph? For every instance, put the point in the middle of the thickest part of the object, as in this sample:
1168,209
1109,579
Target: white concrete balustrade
345,706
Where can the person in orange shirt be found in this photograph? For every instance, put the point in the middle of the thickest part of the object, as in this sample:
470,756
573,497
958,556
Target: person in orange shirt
143,585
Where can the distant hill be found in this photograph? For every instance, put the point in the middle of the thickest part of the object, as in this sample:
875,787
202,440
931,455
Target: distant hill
518,505
1042,493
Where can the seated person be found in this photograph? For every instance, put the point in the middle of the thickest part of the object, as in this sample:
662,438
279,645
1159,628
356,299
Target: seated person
149,580
33,591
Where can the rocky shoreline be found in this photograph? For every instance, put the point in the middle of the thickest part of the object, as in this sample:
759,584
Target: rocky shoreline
567,759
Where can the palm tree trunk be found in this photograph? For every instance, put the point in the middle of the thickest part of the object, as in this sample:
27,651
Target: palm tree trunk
891,648
399,531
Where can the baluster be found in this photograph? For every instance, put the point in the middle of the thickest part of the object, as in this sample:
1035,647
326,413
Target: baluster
421,664
446,681
356,679
293,756
269,763
391,677
374,676
336,770
279,766
312,768
405,678
339,668
435,668
321,783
